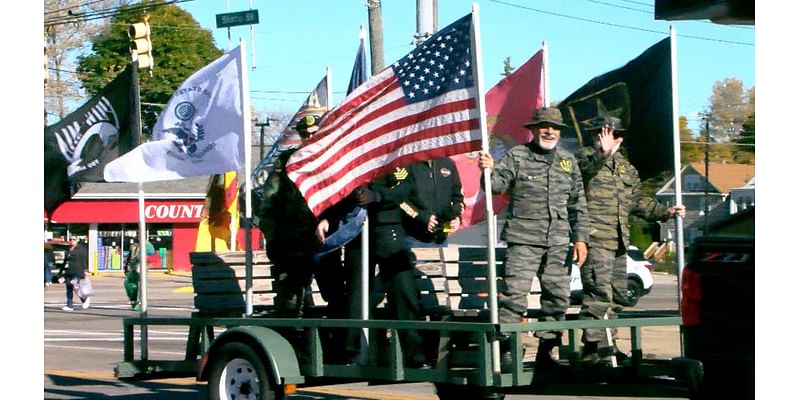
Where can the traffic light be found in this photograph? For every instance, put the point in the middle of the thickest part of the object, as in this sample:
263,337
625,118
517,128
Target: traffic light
141,47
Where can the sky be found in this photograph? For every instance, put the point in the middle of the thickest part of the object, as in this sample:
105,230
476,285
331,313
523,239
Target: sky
296,40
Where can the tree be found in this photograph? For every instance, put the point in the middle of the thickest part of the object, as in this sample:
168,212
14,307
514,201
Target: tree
68,25
690,152
180,48
729,106
747,140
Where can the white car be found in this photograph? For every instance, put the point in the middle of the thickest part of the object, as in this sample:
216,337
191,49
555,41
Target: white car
640,280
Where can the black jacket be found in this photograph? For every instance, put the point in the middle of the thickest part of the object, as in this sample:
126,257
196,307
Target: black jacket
387,234
436,191
77,261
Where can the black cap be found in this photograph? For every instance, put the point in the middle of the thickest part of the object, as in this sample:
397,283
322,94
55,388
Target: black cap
308,125
597,123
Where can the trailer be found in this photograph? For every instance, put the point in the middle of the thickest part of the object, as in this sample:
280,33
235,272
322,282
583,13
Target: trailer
257,356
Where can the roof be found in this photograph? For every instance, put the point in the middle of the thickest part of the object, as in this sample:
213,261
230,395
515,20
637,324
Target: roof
189,188
725,176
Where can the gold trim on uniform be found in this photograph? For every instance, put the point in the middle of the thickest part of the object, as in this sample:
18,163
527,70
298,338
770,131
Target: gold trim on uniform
400,173
409,210
620,169
566,165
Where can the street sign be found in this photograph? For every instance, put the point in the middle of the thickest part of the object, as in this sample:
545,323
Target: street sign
237,18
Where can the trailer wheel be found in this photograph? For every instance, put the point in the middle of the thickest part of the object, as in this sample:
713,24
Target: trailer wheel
238,373
451,391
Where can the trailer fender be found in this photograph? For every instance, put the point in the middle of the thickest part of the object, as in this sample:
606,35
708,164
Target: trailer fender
274,349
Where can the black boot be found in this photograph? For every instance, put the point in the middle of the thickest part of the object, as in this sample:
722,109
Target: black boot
589,354
544,360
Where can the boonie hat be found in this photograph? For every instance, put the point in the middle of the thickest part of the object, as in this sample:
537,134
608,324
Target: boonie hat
597,123
547,116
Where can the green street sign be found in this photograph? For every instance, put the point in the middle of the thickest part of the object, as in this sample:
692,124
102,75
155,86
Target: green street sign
249,17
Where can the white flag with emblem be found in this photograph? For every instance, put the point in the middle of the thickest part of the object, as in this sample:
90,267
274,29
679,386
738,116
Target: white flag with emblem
200,132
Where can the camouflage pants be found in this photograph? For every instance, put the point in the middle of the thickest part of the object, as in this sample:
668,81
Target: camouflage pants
602,267
547,263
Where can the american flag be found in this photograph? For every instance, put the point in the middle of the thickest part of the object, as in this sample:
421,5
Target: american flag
421,107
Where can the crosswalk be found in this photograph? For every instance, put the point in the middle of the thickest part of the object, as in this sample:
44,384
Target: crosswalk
115,306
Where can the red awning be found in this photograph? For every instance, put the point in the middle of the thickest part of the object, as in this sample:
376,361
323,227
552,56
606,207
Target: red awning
127,211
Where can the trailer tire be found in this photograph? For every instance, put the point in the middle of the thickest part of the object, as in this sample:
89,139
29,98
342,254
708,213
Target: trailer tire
451,391
237,369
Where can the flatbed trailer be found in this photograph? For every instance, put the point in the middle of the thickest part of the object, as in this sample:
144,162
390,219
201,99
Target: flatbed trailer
250,357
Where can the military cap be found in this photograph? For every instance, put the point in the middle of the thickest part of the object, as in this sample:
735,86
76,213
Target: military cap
308,124
597,123
546,116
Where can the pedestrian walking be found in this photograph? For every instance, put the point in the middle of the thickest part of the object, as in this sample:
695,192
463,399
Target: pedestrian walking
132,269
546,211
77,259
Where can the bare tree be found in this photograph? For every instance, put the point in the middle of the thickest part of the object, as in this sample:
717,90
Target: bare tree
68,26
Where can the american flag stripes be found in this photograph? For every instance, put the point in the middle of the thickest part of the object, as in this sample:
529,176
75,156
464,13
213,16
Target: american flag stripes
421,107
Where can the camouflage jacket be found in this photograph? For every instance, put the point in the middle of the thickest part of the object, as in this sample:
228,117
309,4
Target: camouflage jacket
613,192
547,206
283,214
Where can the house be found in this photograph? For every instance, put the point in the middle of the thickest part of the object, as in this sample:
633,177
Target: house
709,198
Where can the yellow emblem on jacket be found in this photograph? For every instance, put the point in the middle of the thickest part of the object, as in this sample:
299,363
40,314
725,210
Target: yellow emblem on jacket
620,169
400,174
566,165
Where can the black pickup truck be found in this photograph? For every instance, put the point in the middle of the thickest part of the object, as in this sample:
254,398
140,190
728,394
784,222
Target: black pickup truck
718,312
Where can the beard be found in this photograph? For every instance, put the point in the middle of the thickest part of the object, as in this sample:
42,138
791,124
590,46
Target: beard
547,146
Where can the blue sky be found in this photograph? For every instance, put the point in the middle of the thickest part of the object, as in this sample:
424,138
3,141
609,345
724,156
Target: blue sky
296,40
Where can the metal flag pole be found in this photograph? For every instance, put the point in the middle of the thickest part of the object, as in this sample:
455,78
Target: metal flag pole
248,184
676,145
487,182
142,270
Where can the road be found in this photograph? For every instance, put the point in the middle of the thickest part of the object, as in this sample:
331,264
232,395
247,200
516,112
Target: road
82,346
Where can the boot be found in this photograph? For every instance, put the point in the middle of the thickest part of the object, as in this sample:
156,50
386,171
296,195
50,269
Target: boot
589,354
544,360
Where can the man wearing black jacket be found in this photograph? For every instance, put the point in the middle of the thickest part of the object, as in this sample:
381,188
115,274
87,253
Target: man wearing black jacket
436,201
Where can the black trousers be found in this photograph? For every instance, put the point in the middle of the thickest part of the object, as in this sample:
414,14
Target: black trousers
397,277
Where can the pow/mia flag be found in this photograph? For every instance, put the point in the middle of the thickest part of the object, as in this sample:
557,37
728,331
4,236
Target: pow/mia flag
77,148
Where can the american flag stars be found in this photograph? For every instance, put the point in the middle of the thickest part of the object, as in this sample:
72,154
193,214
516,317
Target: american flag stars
440,64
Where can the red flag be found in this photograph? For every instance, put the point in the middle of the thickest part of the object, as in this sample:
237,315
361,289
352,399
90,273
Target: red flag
509,105
222,205
421,107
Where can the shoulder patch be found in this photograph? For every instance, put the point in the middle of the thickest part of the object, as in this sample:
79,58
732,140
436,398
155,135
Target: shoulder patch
566,165
400,174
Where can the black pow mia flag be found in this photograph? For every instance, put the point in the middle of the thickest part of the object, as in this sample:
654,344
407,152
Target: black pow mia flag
77,148
640,94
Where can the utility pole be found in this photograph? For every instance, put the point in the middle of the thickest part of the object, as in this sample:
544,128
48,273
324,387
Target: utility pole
375,35
706,117
262,125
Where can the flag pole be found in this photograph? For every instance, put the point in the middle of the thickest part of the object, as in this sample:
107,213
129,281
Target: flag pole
142,227
545,77
487,182
248,185
676,145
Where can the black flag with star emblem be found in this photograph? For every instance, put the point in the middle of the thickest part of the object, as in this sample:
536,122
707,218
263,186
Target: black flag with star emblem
640,94
77,148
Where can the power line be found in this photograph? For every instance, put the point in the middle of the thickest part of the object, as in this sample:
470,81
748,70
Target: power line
615,25
104,13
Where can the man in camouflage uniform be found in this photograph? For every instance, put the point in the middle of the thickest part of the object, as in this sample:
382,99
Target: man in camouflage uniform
613,192
547,210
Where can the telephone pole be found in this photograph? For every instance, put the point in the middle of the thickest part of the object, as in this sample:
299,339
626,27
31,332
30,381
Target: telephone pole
375,35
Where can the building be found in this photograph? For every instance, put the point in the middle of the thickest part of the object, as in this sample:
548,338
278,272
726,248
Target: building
711,199
107,215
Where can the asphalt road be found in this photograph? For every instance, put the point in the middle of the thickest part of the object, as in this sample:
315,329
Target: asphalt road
81,347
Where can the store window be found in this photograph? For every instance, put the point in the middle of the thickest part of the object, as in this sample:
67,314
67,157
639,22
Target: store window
114,242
